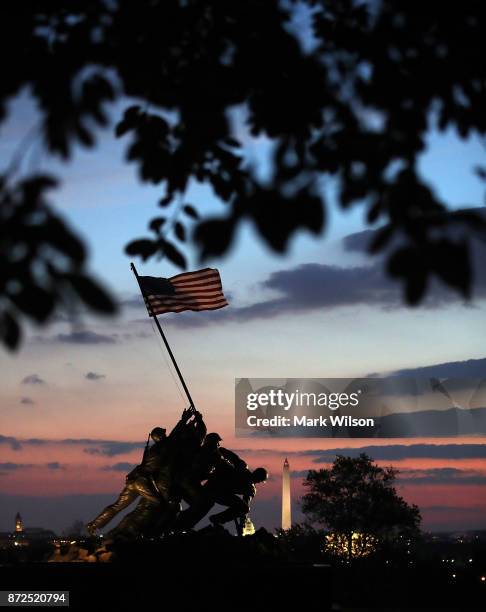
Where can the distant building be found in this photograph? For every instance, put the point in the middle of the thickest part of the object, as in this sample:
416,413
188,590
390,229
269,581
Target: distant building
38,533
25,536
18,523
248,527
286,508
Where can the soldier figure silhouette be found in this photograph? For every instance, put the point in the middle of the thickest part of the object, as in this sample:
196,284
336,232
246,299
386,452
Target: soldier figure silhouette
150,479
229,483
174,468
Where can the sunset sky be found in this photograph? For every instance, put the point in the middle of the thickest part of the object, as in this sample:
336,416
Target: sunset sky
76,402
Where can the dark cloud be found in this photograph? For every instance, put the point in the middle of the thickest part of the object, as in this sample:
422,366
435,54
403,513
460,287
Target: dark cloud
28,401
55,465
12,467
303,289
108,448
359,241
12,442
33,379
471,368
112,448
90,337
403,451
94,376
84,337
447,476
315,286
386,452
122,466
439,476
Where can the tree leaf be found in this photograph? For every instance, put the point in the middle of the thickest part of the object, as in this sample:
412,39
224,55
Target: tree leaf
173,254
91,293
157,223
10,331
180,231
190,211
143,247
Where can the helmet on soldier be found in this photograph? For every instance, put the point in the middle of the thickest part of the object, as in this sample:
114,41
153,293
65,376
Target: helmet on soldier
259,475
157,434
212,439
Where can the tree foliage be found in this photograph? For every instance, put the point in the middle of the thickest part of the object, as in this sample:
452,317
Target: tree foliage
356,496
301,542
348,97
42,260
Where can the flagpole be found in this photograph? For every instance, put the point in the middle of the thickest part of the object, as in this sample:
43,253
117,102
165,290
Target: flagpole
167,346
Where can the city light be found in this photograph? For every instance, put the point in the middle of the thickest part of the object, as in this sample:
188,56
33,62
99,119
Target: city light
362,544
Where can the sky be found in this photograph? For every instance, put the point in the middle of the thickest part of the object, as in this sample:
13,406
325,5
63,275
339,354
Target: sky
76,403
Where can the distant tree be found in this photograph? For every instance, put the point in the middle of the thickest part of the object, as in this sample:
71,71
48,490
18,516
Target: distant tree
349,97
301,542
356,496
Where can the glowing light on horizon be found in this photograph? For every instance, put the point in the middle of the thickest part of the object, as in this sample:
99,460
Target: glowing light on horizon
362,544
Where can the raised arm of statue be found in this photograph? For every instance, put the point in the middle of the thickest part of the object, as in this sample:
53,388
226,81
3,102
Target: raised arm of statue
181,425
201,426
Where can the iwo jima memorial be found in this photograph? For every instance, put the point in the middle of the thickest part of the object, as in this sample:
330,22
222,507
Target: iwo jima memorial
154,553
188,464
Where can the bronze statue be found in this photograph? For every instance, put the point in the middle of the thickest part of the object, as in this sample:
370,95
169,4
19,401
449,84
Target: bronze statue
149,480
228,479
234,490
188,465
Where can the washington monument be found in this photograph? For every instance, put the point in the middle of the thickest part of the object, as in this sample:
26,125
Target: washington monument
286,510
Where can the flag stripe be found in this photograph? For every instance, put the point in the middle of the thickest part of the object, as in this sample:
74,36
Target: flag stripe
200,290
187,302
200,304
195,292
196,281
190,281
189,278
212,283
161,310
200,273
191,304
185,296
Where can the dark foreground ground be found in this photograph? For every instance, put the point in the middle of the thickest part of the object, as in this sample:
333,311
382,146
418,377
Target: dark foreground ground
137,586
220,572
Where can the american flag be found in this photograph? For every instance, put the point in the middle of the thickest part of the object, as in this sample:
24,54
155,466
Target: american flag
200,290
